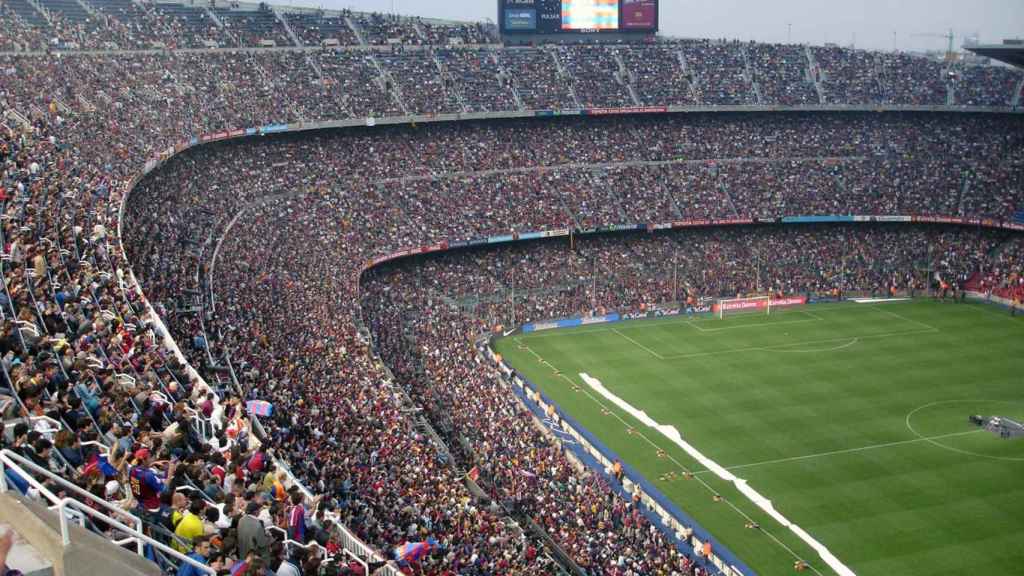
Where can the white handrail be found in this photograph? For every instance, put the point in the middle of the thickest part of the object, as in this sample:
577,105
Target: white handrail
316,545
349,541
140,538
102,448
34,420
15,462
81,511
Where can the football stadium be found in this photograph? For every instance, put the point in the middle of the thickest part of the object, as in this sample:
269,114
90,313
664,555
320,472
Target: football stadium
322,291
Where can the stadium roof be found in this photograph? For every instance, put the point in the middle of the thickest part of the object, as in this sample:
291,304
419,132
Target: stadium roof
1012,54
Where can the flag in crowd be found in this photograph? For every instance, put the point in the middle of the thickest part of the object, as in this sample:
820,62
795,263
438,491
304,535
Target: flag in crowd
259,408
416,551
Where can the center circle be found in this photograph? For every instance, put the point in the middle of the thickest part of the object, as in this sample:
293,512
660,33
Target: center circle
930,423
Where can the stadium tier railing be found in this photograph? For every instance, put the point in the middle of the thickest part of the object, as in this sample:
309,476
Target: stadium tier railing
83,505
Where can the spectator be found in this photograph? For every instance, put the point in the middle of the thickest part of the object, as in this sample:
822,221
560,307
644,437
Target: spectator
200,553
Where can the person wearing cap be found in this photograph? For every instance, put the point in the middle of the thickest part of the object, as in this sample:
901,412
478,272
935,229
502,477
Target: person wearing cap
145,484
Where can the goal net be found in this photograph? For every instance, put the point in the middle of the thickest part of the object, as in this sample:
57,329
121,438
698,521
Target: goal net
750,305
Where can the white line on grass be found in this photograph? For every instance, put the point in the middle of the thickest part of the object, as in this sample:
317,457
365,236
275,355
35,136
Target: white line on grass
652,352
846,451
673,435
758,325
990,309
882,308
781,347
641,324
557,333
812,315
817,350
674,460
932,439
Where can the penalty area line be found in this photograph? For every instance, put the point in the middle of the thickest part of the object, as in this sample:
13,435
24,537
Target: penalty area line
649,351
782,347
846,451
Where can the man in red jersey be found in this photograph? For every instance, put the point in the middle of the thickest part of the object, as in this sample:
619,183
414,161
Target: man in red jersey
146,484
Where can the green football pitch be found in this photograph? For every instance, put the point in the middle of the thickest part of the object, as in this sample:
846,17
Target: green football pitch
852,419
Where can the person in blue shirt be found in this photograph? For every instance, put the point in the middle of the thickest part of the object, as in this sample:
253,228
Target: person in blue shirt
200,553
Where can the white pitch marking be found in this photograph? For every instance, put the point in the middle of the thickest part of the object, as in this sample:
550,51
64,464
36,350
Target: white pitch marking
678,464
902,317
651,352
758,325
671,433
846,451
832,349
778,347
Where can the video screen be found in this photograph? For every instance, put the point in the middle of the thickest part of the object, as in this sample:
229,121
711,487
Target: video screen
590,14
639,14
520,19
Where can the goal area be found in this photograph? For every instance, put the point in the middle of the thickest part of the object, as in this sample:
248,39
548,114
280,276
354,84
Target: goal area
750,305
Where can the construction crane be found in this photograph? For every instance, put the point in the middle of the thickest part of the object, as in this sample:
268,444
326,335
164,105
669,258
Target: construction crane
951,54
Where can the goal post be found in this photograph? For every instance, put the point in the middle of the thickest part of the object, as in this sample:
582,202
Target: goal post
749,305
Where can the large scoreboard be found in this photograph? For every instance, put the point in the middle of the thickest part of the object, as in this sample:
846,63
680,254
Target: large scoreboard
577,16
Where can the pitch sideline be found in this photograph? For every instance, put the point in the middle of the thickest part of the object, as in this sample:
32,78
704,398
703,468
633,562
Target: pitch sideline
672,458
672,434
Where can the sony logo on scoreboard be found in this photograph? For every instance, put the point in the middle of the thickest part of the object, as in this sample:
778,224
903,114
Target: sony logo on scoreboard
520,2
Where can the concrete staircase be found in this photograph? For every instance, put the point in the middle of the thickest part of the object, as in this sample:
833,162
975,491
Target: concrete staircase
43,552
749,71
355,30
18,117
1015,101
505,76
419,32
694,83
24,557
280,16
965,192
31,12
625,77
566,77
446,77
814,74
384,79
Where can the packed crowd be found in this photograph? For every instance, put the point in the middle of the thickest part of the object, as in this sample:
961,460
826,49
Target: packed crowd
315,28
781,72
402,186
125,24
657,75
80,349
597,77
253,27
477,75
1003,275
453,79
423,87
847,76
719,72
636,271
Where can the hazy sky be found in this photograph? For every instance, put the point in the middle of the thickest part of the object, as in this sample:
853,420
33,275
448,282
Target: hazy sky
871,22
